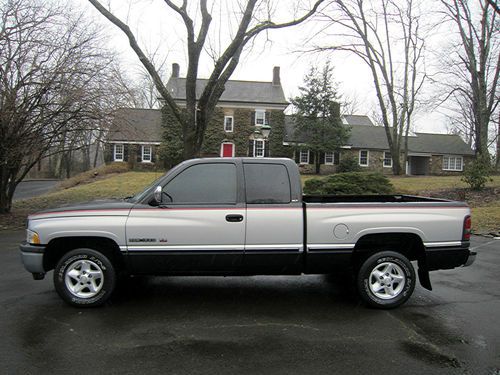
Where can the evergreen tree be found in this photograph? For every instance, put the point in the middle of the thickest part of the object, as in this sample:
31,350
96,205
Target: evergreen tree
317,114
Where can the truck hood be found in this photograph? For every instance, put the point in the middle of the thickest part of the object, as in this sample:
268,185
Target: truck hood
105,207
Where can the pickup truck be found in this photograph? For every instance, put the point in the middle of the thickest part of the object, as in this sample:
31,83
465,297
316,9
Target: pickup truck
247,216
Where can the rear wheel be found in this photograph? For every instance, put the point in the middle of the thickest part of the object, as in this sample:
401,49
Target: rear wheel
386,280
84,278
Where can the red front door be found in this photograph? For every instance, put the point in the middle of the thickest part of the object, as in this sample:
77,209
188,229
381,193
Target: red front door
227,150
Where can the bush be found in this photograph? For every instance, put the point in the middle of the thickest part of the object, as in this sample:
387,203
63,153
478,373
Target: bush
352,183
477,173
348,164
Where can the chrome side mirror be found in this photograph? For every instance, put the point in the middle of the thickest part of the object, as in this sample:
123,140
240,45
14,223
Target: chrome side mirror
157,194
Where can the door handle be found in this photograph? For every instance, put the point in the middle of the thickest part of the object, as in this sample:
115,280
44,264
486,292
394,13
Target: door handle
234,218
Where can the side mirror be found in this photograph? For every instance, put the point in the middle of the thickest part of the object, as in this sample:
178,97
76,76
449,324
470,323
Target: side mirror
157,194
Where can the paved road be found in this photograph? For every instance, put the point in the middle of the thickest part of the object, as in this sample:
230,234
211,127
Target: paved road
252,325
29,189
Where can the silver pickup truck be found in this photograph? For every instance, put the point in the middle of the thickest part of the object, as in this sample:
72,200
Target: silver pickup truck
247,216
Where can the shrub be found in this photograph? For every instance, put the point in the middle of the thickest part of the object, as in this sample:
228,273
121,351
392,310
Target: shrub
477,173
352,183
348,164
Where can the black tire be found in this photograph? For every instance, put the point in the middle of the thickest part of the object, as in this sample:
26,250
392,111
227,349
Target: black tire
96,281
376,287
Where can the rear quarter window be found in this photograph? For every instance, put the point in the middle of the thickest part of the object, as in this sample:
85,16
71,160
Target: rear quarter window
267,184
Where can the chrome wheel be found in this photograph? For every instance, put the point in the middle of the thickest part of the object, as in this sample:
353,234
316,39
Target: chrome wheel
84,278
387,280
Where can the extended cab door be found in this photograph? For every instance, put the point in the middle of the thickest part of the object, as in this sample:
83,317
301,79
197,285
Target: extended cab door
198,228
274,238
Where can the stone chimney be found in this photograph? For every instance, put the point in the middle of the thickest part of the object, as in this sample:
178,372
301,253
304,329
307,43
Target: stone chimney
175,70
276,76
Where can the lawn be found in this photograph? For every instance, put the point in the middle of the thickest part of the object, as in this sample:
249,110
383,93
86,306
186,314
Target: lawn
486,212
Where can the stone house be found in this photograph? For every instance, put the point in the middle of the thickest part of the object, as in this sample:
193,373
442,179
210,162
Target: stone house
428,153
247,109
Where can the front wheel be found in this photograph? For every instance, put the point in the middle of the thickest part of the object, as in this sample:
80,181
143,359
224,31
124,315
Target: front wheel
84,278
386,280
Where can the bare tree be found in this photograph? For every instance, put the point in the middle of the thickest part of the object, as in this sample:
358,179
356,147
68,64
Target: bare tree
48,61
198,111
387,35
474,66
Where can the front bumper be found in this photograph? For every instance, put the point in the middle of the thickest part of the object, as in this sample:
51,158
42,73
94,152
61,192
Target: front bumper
32,257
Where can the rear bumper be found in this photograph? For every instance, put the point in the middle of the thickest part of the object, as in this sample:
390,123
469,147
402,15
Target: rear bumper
443,258
32,257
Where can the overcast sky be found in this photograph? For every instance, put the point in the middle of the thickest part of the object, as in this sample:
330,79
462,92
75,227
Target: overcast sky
159,28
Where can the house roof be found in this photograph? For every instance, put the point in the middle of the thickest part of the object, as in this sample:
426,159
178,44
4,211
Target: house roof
357,120
374,137
236,91
136,124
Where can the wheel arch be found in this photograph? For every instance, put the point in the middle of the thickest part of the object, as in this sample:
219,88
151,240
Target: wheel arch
57,247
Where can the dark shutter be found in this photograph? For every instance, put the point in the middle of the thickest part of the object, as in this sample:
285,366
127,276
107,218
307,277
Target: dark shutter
322,158
138,149
266,117
153,154
252,119
250,147
311,157
296,156
266,149
336,158
125,152
108,152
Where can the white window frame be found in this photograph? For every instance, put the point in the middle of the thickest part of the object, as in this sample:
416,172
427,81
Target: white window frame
143,148
115,153
385,158
260,112
232,124
332,156
447,165
255,148
302,153
222,148
367,158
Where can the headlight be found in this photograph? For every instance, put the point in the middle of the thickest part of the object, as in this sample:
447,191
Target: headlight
32,237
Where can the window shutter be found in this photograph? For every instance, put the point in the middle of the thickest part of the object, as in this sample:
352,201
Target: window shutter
139,153
311,157
266,149
266,118
250,147
336,158
125,152
322,158
108,152
296,156
153,154
253,119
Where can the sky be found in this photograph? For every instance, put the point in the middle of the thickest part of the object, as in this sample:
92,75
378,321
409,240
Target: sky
160,29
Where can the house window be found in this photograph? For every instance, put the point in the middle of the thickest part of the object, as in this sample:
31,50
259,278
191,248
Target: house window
228,124
363,158
118,152
453,163
329,158
260,117
304,157
387,159
258,148
146,154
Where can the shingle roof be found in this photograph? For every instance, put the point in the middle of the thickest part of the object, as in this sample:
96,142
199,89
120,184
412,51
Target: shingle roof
358,120
136,124
374,137
236,91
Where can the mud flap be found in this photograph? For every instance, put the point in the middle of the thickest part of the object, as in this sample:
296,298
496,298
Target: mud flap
423,276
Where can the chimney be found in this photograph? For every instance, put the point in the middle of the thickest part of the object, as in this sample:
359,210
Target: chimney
276,76
175,70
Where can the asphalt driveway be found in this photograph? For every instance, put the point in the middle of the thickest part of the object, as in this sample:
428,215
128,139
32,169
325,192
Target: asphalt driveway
33,188
252,325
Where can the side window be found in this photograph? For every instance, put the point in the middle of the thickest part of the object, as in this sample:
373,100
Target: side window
267,183
204,184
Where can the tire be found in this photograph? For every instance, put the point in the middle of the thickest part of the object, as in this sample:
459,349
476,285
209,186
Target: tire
386,280
84,278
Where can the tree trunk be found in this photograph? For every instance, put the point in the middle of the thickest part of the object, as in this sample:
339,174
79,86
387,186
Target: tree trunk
497,162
